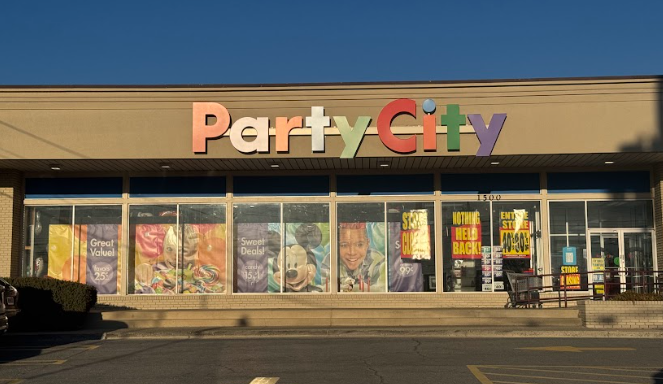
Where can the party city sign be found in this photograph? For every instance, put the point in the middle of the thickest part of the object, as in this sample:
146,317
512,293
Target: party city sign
351,135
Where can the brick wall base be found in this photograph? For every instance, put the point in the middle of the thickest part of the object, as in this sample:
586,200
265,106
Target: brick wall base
622,314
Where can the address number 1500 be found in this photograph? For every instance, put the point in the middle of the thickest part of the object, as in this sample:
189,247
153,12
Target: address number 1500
489,197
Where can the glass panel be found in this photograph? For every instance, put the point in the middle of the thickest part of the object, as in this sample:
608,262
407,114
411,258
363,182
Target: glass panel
620,214
257,243
307,245
203,248
567,217
411,247
50,245
639,261
465,229
569,253
516,231
605,251
361,248
153,244
97,247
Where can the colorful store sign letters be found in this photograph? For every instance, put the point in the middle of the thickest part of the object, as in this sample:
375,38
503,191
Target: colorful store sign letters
352,135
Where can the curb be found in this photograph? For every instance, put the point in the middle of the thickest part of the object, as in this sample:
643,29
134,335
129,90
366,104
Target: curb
222,334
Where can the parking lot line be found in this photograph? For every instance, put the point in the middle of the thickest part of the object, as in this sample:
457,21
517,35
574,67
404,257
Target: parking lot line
265,380
32,362
47,347
559,378
489,374
552,371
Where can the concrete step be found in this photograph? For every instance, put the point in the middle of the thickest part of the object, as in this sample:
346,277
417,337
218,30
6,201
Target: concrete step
336,317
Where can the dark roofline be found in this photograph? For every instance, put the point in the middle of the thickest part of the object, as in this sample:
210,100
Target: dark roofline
367,83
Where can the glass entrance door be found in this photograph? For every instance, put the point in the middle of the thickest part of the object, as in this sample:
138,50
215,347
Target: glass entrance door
626,256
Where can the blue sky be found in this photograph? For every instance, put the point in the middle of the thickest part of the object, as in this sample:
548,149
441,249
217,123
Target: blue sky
228,42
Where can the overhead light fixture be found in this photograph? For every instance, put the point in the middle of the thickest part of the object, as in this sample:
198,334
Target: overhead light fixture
494,163
274,165
609,162
384,164
164,165
55,167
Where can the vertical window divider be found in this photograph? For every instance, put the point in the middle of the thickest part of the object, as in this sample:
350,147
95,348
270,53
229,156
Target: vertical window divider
124,286
439,268
281,249
180,231
73,240
386,248
492,241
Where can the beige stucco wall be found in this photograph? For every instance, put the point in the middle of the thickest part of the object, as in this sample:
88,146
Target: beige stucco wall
544,117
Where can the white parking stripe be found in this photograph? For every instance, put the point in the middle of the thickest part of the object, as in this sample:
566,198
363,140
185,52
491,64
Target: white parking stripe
265,380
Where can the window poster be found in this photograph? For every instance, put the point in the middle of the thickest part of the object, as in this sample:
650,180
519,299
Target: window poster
190,260
570,277
361,257
466,235
203,258
101,256
257,246
60,237
515,237
415,235
404,274
299,265
156,259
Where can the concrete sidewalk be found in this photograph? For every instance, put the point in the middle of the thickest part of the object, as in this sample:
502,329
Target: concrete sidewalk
436,332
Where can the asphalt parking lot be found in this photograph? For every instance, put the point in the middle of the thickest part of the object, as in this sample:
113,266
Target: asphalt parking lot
328,360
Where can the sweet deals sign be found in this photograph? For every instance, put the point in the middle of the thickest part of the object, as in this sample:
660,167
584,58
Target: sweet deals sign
352,135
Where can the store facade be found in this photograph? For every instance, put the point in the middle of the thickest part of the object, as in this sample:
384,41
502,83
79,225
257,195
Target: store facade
401,194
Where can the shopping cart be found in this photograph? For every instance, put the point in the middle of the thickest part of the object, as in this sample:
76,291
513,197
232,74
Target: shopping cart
523,290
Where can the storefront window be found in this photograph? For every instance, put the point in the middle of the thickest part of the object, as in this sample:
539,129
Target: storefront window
300,265
568,241
203,248
81,243
620,214
98,247
153,244
281,248
177,249
515,240
257,243
362,264
465,233
411,247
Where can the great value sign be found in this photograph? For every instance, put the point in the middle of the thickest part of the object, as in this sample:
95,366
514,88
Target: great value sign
352,135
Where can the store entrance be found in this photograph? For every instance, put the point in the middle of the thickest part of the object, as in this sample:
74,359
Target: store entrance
627,256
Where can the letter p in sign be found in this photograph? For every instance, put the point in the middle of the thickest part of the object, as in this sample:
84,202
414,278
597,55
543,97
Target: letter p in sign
201,131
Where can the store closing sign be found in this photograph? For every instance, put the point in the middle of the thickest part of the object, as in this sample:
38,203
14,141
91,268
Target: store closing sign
352,135
515,234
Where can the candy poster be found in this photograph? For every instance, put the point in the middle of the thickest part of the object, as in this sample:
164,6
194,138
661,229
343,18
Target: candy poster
60,237
415,235
466,235
515,237
256,245
203,258
404,276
